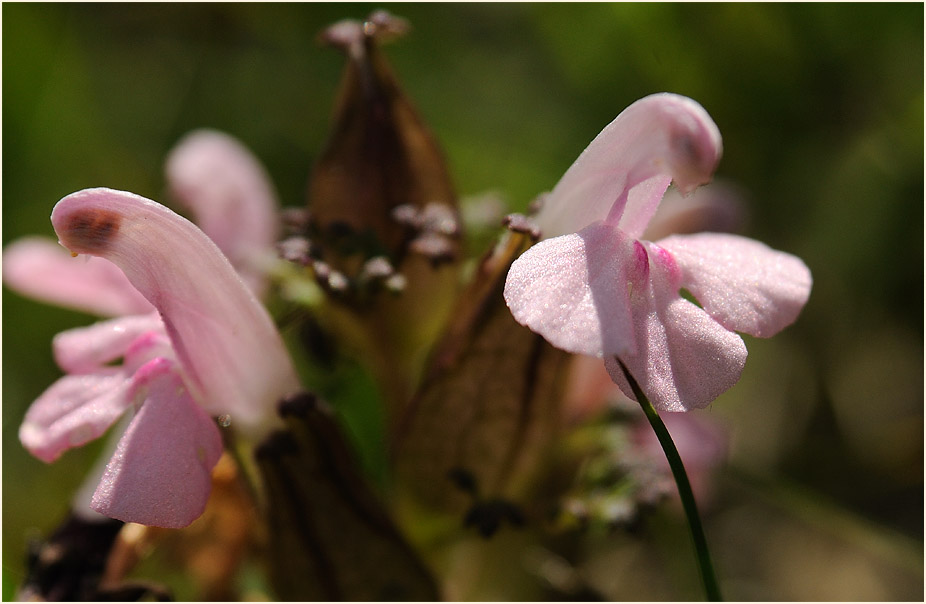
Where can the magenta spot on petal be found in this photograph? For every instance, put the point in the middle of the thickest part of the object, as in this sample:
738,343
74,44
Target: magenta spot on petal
641,264
667,262
665,258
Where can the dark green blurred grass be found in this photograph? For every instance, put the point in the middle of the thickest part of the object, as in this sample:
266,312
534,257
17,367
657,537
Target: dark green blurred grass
820,106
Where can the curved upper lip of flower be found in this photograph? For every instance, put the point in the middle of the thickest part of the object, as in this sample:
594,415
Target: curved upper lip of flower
224,338
624,171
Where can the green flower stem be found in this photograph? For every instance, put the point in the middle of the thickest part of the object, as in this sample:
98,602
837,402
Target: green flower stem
711,588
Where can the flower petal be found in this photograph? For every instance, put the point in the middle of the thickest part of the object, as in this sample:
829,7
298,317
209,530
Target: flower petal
573,290
230,195
223,337
40,268
149,345
87,349
80,500
642,202
160,474
685,359
659,138
74,410
743,284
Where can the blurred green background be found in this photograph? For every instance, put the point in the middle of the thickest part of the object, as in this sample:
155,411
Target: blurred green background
821,110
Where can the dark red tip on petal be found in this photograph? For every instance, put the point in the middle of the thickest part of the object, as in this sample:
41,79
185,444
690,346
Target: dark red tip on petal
89,230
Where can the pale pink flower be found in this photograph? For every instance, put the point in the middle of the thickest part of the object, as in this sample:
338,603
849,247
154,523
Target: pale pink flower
212,351
594,288
717,207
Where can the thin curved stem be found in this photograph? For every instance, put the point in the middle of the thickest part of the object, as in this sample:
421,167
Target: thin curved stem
711,588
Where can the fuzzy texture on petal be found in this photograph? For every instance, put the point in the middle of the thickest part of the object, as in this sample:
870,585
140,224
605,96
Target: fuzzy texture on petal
685,359
224,339
160,474
743,284
80,500
73,411
87,349
642,202
40,268
230,195
573,290
659,138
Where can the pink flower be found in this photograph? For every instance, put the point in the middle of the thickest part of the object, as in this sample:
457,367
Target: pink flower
229,192
214,351
596,289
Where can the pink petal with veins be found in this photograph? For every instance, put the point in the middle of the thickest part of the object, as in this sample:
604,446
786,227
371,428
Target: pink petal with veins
73,411
743,284
39,268
160,474
224,339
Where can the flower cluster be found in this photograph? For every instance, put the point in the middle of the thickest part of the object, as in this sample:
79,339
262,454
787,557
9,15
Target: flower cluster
472,400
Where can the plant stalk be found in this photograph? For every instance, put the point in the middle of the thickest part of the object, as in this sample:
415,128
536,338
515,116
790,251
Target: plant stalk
711,588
